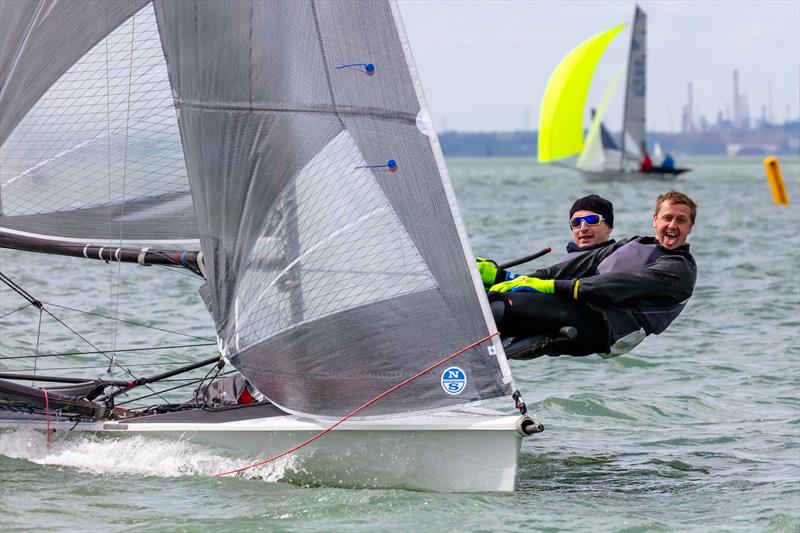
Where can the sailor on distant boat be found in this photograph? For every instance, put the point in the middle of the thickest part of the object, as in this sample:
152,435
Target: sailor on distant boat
647,164
614,296
668,162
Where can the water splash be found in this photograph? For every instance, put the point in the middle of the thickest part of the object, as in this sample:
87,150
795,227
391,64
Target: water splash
135,455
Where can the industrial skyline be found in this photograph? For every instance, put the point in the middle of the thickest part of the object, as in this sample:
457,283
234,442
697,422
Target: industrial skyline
735,117
484,65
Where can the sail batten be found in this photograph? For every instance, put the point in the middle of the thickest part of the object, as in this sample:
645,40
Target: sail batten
380,114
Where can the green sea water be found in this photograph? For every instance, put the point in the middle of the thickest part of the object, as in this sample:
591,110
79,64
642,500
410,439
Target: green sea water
697,429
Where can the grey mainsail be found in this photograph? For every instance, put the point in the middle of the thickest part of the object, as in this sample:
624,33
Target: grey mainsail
336,266
634,125
336,261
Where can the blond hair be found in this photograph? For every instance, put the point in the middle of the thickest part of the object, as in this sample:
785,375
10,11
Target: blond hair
676,197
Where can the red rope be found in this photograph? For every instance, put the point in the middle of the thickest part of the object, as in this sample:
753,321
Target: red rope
359,409
47,414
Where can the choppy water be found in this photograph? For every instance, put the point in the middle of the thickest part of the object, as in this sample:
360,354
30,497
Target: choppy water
696,430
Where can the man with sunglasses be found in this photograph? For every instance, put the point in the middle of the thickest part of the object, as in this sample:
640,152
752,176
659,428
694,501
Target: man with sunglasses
591,220
614,295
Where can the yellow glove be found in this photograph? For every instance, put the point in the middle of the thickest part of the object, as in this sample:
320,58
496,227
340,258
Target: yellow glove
488,270
525,284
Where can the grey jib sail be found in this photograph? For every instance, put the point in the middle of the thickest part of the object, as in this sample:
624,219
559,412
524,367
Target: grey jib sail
336,262
634,126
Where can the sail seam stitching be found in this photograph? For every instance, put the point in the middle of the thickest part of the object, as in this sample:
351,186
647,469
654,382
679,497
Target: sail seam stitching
337,110
326,68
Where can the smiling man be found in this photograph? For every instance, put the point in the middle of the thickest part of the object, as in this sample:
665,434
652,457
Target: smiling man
614,295
674,219
591,220
589,229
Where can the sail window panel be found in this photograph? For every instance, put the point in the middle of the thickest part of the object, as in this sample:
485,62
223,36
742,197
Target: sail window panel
349,248
40,40
105,134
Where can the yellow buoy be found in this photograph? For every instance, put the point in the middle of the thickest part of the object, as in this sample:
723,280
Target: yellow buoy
776,181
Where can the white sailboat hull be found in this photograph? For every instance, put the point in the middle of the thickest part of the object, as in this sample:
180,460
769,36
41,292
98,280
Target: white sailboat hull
448,452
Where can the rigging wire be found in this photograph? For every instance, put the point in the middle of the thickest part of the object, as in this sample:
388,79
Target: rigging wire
108,160
15,310
130,322
95,367
102,352
47,414
84,339
19,290
124,181
178,271
200,380
218,369
38,304
36,350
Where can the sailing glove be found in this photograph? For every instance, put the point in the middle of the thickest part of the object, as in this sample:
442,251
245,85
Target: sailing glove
490,274
525,284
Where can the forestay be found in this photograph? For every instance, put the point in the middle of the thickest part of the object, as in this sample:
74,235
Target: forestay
337,264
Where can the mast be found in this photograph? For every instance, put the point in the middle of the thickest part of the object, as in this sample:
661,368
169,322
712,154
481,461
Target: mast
633,119
191,260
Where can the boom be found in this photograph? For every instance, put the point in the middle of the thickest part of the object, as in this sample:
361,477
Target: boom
189,259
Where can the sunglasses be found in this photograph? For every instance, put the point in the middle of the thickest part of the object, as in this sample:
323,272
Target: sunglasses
591,220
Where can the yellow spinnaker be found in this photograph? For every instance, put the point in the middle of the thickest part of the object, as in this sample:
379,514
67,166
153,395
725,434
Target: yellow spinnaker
561,116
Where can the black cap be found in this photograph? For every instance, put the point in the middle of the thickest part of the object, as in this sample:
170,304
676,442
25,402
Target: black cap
595,203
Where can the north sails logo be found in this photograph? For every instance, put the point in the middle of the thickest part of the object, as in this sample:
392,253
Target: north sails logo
454,380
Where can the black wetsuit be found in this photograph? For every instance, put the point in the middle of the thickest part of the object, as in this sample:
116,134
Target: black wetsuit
573,250
614,295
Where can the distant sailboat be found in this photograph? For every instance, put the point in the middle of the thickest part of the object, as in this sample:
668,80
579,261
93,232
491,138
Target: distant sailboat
561,118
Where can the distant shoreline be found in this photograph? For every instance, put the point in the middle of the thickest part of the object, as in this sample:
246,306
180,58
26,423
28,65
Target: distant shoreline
769,140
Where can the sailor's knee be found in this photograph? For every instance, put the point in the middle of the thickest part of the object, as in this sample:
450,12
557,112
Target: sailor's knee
498,303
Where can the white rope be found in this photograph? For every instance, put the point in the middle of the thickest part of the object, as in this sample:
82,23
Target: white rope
140,258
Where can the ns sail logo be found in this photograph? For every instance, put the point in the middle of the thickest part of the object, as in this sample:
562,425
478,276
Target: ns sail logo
454,380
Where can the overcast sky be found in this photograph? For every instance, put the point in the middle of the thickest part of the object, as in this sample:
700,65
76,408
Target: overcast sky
484,64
